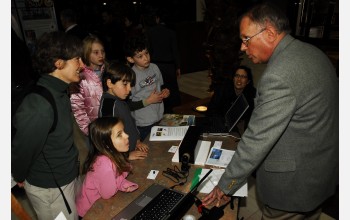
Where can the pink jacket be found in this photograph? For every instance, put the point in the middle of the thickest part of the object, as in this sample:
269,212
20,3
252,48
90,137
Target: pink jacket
103,183
86,101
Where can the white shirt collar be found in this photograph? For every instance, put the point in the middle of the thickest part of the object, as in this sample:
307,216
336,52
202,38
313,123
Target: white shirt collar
70,27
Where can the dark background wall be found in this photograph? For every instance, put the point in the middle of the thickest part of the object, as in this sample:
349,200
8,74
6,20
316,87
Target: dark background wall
192,34
181,17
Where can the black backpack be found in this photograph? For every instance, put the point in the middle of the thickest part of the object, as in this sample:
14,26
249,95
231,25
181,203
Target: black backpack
18,94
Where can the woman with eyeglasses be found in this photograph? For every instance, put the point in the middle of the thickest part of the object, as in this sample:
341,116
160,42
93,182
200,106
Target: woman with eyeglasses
226,92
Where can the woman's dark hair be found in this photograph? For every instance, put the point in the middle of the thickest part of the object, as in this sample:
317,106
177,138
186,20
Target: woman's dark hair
117,71
249,89
249,73
100,131
53,46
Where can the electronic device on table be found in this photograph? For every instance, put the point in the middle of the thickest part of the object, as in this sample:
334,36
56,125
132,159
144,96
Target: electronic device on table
160,202
226,124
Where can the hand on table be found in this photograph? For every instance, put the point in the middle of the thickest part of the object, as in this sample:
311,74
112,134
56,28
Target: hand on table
141,146
129,190
216,194
137,155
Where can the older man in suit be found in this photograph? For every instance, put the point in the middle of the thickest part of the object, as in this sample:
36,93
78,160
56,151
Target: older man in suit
292,137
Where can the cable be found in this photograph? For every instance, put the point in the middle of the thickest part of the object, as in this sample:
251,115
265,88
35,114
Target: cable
179,184
176,175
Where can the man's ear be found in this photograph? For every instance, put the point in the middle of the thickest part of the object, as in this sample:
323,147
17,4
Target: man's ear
130,59
59,64
271,32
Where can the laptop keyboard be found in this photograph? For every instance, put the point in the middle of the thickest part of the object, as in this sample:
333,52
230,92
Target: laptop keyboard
160,206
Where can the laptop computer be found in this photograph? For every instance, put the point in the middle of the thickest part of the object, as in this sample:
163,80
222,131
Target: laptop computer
160,202
226,124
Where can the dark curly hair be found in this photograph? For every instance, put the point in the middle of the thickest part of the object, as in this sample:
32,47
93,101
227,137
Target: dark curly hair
135,44
53,46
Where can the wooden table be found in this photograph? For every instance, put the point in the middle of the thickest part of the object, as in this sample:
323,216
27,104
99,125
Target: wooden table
158,159
188,108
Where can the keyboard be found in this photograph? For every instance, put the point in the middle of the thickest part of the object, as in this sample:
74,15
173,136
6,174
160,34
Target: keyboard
160,206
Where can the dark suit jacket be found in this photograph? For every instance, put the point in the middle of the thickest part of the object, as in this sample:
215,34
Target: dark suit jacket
293,134
78,31
163,45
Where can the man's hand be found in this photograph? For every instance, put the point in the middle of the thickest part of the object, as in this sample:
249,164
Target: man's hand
216,194
137,155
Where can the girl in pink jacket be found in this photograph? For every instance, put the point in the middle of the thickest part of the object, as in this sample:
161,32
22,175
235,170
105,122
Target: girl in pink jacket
107,165
85,96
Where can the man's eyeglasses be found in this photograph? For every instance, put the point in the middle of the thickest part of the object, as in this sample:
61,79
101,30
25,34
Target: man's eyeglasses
246,40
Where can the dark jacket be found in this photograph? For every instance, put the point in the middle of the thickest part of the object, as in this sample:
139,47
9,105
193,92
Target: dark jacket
164,52
163,45
33,141
78,31
112,106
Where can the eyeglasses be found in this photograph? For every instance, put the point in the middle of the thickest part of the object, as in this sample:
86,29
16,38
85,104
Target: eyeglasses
240,76
246,40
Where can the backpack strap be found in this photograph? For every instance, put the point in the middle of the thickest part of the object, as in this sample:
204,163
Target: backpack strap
44,92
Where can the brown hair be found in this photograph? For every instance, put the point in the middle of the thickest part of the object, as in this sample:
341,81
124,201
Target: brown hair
100,131
53,46
87,46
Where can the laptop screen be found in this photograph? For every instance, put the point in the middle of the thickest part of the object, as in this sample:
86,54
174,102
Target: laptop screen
236,111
